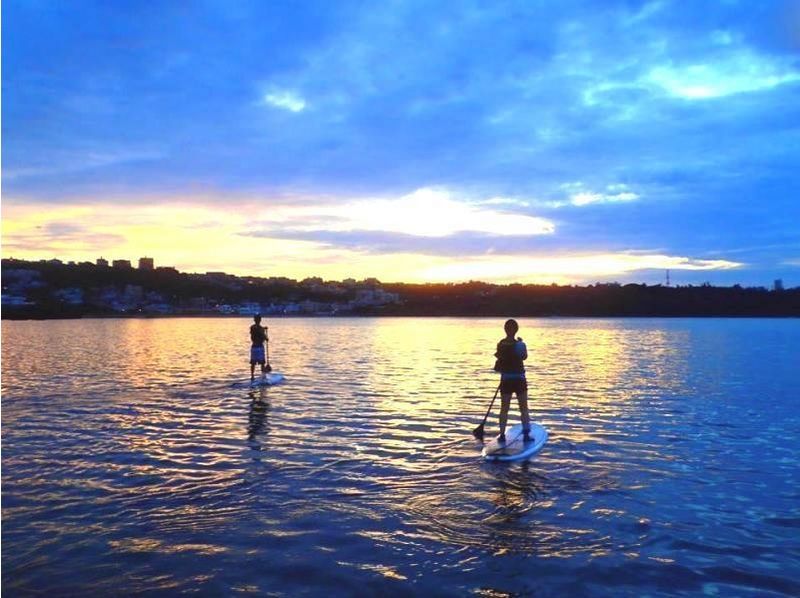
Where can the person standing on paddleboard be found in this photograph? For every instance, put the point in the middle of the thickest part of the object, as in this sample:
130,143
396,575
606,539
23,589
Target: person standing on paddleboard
258,337
511,352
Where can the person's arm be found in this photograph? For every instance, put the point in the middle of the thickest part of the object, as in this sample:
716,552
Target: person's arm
266,337
522,350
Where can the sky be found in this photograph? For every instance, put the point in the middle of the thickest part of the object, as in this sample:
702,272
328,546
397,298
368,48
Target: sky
531,141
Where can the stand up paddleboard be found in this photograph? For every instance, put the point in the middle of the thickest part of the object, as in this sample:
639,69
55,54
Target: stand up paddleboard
270,379
514,448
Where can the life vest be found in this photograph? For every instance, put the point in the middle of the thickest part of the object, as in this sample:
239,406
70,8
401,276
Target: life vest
508,360
257,334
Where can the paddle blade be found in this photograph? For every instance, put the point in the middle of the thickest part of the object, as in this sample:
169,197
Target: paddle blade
478,432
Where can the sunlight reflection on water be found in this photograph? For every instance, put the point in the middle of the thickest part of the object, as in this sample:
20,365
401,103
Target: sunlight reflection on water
130,460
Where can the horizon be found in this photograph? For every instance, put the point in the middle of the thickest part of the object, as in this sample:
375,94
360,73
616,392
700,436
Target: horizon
581,144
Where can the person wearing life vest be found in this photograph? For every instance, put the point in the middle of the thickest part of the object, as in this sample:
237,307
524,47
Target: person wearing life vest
258,336
511,352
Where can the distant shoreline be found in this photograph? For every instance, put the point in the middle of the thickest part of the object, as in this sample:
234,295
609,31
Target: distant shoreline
51,290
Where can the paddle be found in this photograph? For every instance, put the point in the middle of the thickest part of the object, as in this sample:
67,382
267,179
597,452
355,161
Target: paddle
478,432
266,341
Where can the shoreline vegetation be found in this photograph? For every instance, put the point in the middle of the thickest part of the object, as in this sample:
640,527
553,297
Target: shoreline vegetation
51,289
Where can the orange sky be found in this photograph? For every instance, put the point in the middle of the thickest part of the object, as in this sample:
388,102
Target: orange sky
249,238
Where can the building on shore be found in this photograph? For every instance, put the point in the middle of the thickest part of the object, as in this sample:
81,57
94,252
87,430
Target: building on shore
146,263
102,262
121,264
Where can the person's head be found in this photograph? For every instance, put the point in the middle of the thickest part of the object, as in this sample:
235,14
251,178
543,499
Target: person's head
257,318
511,327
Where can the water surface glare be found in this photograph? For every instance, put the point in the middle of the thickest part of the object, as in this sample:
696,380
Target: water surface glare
132,464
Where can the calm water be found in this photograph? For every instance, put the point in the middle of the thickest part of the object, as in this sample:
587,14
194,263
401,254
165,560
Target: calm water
130,464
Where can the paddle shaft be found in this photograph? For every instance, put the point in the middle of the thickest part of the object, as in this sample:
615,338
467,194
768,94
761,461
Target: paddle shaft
489,410
266,342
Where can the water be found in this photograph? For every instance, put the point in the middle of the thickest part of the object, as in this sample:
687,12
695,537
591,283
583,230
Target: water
130,465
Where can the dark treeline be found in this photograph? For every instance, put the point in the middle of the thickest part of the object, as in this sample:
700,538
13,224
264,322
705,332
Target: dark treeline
42,286
481,299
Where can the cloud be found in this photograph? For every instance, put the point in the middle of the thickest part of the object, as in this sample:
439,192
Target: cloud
580,196
565,268
740,72
286,100
456,246
505,201
178,236
80,161
424,213
585,198
56,237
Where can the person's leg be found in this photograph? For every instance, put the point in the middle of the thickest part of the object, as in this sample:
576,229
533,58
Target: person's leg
263,369
505,403
522,399
252,371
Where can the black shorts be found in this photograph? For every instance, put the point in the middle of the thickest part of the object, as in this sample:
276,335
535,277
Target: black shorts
515,385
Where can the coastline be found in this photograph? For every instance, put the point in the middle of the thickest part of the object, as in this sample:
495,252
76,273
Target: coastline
49,291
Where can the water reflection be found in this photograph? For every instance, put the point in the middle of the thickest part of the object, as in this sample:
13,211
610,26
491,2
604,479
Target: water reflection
257,416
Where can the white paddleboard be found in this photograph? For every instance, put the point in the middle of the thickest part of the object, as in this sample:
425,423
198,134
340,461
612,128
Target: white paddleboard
514,448
270,379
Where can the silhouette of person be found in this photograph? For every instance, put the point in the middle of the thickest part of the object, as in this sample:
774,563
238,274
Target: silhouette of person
511,352
258,337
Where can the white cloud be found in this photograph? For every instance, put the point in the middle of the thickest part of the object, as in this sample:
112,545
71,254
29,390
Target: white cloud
647,11
617,192
740,72
585,198
286,100
424,213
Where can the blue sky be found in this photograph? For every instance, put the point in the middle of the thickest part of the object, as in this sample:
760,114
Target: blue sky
534,141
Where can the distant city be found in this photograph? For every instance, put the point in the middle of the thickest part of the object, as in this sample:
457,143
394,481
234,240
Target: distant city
57,289
53,287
